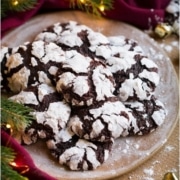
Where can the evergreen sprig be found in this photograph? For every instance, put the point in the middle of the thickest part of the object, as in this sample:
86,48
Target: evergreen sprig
15,114
92,6
16,6
89,6
7,157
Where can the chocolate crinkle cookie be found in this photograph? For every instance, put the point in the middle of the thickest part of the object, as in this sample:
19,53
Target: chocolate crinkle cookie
77,153
101,122
73,36
136,75
112,119
137,82
30,64
148,115
85,90
50,111
84,81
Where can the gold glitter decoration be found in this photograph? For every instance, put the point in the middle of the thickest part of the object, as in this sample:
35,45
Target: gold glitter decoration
170,176
163,30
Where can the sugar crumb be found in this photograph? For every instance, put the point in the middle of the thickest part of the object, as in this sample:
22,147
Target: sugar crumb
148,178
168,48
169,148
175,43
137,146
124,151
174,170
149,172
156,162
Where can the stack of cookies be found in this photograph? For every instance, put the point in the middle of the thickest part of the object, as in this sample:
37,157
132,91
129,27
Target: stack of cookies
86,91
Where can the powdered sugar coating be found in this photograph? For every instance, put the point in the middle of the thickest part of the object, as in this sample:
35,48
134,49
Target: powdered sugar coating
76,153
148,115
75,36
113,119
131,87
30,64
128,44
126,60
122,55
159,115
102,122
65,33
77,62
84,81
137,80
50,111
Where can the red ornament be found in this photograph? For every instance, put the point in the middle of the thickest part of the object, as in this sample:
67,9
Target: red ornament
23,162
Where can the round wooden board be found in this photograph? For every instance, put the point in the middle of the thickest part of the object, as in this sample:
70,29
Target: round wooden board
127,152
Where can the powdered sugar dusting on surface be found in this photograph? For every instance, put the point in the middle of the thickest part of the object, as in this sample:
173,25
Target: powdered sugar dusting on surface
155,169
168,148
168,48
149,172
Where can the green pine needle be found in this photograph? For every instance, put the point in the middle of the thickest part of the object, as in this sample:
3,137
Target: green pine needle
4,7
7,155
22,5
16,6
92,6
15,114
7,173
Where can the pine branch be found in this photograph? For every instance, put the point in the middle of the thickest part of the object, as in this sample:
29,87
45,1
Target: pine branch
16,6
22,5
4,7
95,7
15,114
8,156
